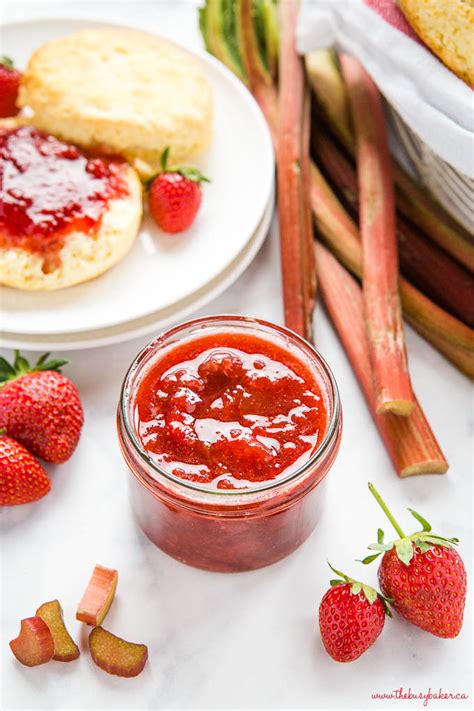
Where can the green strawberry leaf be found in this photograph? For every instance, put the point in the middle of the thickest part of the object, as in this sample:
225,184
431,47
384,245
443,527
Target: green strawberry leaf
20,364
54,364
335,581
439,541
338,572
187,171
6,370
356,588
370,593
422,545
42,359
192,173
404,550
6,62
164,159
386,602
368,559
380,535
381,547
420,519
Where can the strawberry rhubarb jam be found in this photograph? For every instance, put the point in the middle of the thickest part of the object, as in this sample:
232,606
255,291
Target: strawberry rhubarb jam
229,425
49,188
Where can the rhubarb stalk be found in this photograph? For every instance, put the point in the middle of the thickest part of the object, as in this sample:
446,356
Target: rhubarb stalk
409,441
379,243
422,262
322,68
259,80
292,167
412,200
450,336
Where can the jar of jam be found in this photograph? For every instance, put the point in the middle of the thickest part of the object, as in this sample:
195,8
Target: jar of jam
229,426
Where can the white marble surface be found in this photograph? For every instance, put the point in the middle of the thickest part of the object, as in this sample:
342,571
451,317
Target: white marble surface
240,641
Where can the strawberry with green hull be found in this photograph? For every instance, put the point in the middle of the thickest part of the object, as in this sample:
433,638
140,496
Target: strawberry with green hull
423,575
22,478
351,617
40,407
175,195
9,83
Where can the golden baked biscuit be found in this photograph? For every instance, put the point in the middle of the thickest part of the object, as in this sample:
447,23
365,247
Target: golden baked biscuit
124,91
447,28
82,252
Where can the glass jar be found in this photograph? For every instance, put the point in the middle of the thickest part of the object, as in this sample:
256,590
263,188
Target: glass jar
228,530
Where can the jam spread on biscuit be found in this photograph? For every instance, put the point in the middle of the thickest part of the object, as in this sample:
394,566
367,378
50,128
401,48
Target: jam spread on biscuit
49,189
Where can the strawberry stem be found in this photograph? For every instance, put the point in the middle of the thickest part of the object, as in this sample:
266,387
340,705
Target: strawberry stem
385,509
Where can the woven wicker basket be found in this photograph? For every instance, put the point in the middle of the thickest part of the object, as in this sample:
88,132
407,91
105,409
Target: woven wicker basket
452,189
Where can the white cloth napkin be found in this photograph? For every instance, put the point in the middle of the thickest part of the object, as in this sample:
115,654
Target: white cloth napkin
433,101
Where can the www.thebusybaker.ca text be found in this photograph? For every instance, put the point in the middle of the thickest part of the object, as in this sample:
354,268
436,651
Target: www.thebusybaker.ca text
425,696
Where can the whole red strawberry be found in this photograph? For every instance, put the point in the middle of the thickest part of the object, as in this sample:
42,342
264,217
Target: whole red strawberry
22,478
351,617
9,83
175,196
40,407
423,575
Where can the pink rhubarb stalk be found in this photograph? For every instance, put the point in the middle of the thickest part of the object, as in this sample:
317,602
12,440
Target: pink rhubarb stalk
409,441
379,243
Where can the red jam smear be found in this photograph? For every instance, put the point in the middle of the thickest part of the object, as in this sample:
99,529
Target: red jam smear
49,188
229,410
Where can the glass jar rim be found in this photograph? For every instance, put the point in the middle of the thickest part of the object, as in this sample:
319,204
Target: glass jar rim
329,436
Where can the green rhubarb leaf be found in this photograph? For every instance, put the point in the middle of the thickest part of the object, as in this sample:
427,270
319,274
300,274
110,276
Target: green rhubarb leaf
420,519
404,548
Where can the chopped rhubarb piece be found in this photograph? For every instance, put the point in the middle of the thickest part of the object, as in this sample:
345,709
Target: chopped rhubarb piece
98,596
65,649
116,656
34,645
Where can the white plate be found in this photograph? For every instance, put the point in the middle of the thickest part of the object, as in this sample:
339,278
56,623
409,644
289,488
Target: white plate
161,271
153,322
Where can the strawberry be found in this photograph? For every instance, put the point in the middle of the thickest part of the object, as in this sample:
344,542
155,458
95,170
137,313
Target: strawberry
423,575
175,195
22,478
9,83
351,617
40,407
